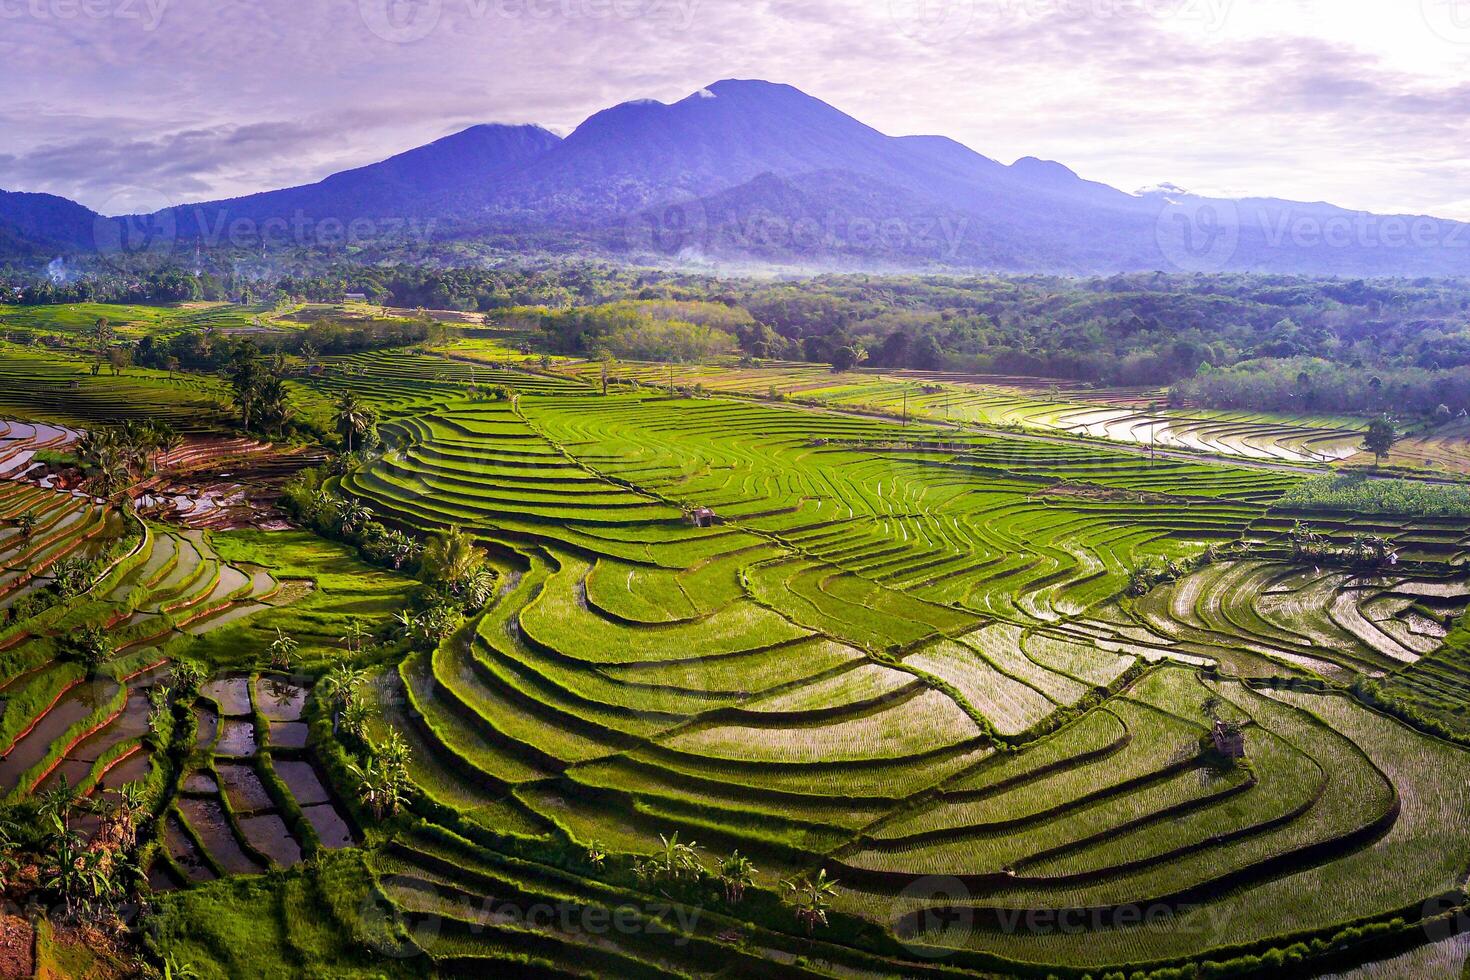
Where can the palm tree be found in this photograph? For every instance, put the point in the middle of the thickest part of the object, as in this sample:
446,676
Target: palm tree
273,404
353,419
450,558
246,375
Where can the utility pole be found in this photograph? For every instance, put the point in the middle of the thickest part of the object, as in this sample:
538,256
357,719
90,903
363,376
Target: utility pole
905,405
671,381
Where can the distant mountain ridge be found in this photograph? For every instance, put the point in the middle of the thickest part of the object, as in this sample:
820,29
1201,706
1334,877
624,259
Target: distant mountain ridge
759,171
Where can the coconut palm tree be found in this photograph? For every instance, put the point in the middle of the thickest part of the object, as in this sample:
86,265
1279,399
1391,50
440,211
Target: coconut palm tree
353,420
452,562
273,405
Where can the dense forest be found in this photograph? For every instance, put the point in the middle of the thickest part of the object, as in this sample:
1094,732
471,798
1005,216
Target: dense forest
1231,341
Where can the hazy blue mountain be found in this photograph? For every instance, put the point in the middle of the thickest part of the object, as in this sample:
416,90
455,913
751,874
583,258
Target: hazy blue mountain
428,182
757,171
36,224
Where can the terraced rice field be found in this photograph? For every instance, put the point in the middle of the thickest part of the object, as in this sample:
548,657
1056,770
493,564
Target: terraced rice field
256,800
168,586
904,655
1129,417
57,388
1445,448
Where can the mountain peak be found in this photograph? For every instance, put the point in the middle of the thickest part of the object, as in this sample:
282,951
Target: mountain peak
1036,168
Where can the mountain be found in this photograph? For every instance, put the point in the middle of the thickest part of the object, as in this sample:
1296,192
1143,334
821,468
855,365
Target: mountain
753,171
43,224
425,183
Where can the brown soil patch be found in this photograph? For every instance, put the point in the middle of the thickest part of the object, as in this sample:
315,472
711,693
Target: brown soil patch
17,947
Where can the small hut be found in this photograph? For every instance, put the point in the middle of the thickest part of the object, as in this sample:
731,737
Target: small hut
1229,739
702,517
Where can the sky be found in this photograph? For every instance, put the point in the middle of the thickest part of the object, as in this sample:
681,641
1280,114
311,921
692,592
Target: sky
134,105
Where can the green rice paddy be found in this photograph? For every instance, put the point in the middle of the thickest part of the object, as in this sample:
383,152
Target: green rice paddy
902,654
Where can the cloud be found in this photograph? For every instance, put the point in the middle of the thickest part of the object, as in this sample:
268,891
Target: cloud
1357,101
